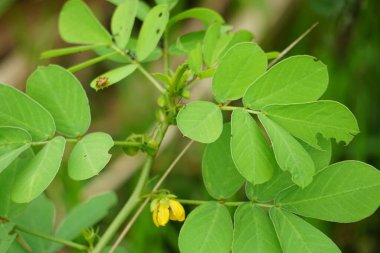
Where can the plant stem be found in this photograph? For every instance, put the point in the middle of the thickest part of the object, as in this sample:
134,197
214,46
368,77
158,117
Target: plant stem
166,52
133,200
200,202
72,140
91,62
141,69
231,108
53,239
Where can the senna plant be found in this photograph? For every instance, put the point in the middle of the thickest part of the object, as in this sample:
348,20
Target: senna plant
276,143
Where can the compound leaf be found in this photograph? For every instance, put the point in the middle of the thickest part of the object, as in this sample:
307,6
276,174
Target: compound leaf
289,153
77,24
298,236
207,229
205,15
297,79
90,156
61,93
220,176
19,110
305,121
239,67
342,192
250,151
33,179
151,31
253,231
201,121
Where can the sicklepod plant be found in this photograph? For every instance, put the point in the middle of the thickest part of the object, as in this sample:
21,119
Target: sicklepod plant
277,143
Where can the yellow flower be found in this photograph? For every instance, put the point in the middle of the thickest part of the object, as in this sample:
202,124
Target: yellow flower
176,210
165,208
161,214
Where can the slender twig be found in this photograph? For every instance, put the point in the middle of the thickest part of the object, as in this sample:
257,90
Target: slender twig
133,200
70,244
166,53
238,203
288,48
91,62
142,206
231,108
71,140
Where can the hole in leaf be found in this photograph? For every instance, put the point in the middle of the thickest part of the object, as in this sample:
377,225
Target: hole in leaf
160,14
158,31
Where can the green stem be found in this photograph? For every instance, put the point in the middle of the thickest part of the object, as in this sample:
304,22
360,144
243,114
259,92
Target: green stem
71,140
53,239
166,53
133,200
238,203
141,69
91,62
231,108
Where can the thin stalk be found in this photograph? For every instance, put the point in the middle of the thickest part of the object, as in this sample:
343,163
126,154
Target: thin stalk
166,52
91,62
70,50
238,203
71,140
67,243
132,202
232,108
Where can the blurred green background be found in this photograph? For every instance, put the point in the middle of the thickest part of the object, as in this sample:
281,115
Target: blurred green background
347,39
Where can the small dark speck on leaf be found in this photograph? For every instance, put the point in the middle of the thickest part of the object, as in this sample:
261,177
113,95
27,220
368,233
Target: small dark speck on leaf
315,59
160,14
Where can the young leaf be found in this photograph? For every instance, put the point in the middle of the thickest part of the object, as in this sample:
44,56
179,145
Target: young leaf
205,15
151,31
8,208
210,40
32,180
170,3
70,50
253,231
6,236
42,212
201,121
186,43
250,151
297,79
122,22
298,236
90,156
289,153
305,121
83,216
18,110
13,141
77,24
343,192
239,67
220,176
321,157
207,229
112,76
61,93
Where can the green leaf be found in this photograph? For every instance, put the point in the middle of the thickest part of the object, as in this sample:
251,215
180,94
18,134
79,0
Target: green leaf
207,229
77,24
205,15
32,180
297,79
298,236
210,40
289,153
13,141
305,121
220,176
238,37
39,217
239,67
112,76
18,110
90,156
151,31
186,43
250,151
200,121
61,93
170,3
322,156
253,231
70,50
267,191
6,236
122,22
8,208
195,59
83,216
343,192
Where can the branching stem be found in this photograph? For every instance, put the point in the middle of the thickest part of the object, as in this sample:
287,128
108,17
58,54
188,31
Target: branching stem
231,108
